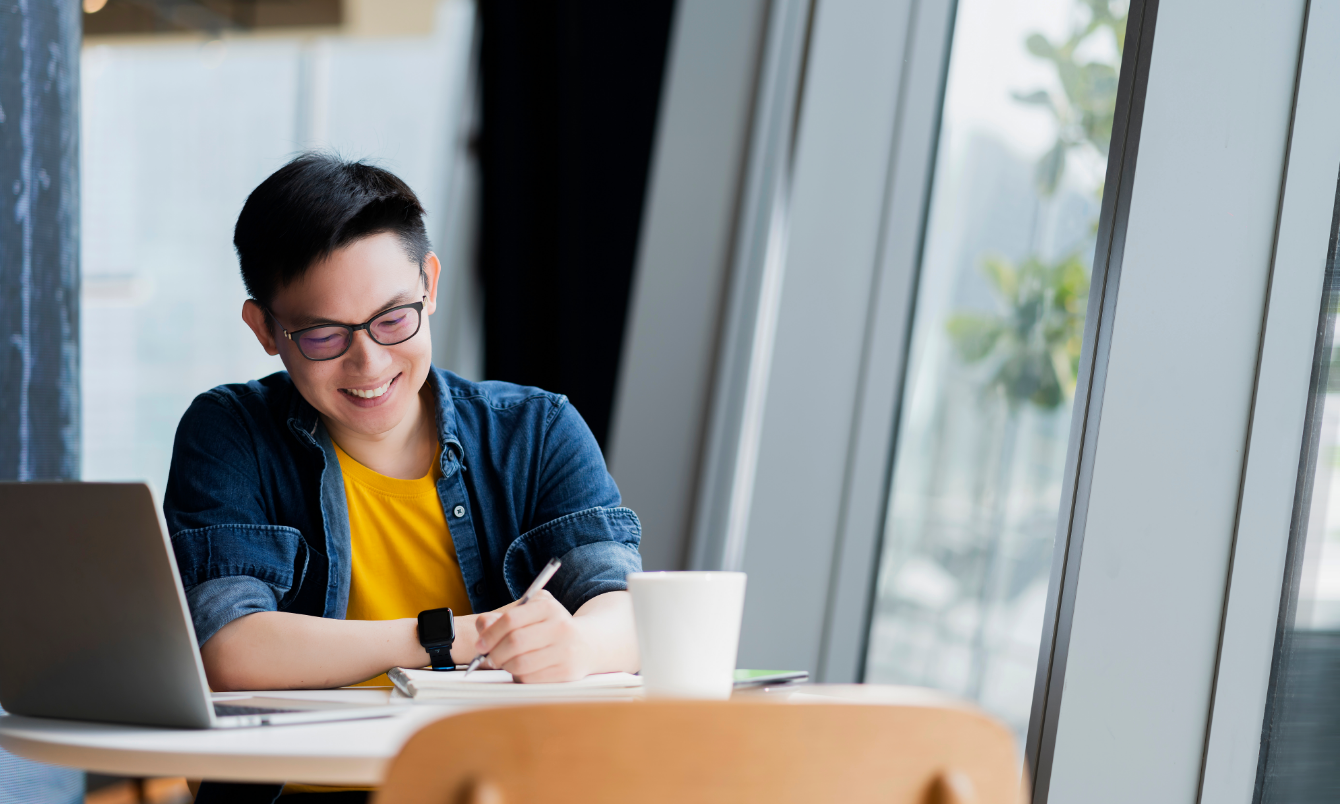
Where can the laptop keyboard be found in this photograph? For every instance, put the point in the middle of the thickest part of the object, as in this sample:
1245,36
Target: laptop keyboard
229,710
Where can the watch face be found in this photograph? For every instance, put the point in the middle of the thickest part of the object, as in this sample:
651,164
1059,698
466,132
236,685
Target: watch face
436,627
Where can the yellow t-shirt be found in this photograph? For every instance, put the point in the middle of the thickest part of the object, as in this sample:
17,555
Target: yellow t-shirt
403,558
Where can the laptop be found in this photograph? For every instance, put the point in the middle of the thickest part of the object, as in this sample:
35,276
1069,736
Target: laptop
93,618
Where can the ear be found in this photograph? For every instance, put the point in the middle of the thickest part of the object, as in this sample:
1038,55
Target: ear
432,270
260,326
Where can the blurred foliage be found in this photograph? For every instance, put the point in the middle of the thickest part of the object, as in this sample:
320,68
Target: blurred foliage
1034,342
1084,109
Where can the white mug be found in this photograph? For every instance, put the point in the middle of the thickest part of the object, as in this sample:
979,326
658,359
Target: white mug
688,631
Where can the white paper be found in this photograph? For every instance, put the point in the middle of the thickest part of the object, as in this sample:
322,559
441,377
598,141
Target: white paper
498,685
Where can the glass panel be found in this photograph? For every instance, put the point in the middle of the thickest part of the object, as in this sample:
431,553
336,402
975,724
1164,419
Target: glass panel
1301,738
176,134
995,346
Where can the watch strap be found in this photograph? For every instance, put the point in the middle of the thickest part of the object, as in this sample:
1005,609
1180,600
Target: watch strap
440,657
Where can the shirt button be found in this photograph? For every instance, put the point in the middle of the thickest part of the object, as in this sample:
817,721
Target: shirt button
458,511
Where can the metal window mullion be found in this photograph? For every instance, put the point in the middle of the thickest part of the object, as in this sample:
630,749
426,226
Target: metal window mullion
871,449
758,255
1114,214
1281,454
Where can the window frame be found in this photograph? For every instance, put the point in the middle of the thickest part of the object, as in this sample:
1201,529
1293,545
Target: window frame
1157,489
1280,453
869,467
1132,661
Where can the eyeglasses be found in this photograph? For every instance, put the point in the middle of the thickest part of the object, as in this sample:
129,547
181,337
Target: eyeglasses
329,341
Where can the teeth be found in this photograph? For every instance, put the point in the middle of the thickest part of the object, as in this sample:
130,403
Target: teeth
373,394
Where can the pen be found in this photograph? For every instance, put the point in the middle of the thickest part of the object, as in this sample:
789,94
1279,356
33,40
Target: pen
534,589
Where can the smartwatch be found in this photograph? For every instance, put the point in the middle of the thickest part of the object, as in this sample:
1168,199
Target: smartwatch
437,632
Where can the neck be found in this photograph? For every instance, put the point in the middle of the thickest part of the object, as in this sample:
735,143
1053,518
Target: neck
406,451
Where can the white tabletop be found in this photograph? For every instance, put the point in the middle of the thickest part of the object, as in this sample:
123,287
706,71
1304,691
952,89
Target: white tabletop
351,752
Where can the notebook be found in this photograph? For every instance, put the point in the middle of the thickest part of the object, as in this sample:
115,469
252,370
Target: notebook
497,685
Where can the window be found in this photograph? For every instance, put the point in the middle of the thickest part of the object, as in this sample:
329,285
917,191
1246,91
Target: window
996,335
176,135
1302,720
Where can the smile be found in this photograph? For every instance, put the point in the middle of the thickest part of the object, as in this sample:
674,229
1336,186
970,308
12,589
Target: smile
371,393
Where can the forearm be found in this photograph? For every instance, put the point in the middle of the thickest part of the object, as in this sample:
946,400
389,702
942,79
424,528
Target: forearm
274,650
606,624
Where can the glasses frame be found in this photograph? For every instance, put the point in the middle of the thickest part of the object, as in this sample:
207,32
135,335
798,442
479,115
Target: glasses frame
353,329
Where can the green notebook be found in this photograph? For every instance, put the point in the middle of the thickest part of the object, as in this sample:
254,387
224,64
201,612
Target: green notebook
764,678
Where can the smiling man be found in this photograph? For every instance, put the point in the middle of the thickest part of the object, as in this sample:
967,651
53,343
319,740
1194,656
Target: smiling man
316,513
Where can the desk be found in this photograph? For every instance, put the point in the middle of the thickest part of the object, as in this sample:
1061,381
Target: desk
352,752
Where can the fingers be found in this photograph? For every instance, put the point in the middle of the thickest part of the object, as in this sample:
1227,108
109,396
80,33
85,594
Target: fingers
519,649
482,623
536,636
555,661
553,673
495,625
537,642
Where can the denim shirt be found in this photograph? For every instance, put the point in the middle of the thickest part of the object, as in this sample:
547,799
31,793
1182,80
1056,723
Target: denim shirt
255,501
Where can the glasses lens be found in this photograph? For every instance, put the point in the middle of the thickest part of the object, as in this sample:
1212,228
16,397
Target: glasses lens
323,343
395,326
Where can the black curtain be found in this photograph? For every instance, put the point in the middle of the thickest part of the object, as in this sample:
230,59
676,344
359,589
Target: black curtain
569,95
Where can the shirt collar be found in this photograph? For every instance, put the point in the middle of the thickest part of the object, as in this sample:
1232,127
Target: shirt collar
302,417
304,420
446,417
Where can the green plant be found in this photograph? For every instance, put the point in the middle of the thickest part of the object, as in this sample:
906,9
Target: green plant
1030,345
1035,337
1085,107
1034,340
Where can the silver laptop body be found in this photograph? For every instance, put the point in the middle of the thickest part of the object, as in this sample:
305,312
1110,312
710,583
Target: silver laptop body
93,617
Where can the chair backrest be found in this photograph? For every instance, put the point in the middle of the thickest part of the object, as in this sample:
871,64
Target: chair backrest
682,752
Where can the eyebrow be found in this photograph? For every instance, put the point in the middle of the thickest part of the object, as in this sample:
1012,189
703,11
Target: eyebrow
403,297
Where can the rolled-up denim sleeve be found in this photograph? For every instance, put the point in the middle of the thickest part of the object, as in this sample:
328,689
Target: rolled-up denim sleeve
231,559
598,548
581,520
219,601
230,571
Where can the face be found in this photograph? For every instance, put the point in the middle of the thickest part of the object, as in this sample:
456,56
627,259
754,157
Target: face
370,389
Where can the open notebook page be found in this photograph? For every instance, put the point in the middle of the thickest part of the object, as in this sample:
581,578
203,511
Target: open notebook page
498,685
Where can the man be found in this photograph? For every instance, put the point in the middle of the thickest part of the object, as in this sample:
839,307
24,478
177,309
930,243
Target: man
316,512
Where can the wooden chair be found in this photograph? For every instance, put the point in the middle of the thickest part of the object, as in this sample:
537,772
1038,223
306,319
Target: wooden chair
689,752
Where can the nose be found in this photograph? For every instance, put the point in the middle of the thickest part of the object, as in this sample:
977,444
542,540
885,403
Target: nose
366,356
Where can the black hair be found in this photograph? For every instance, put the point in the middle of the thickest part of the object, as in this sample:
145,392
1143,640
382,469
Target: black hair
312,207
